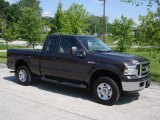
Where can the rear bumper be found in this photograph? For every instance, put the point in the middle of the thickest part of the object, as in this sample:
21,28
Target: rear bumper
136,85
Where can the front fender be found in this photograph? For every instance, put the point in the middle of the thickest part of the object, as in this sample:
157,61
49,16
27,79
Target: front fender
107,67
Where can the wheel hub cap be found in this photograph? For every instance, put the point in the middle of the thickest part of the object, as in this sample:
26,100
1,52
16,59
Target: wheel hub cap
22,75
104,91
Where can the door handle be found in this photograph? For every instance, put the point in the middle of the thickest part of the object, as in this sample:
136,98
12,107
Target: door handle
51,58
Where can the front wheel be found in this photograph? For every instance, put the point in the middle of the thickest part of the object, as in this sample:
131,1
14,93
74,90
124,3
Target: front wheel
106,91
24,75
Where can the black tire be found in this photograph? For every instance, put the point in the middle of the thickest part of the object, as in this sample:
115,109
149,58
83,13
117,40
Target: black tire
114,89
28,77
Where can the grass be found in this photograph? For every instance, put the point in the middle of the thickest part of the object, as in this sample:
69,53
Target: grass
4,47
3,57
155,62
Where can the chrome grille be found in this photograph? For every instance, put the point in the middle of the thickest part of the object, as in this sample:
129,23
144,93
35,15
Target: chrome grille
143,69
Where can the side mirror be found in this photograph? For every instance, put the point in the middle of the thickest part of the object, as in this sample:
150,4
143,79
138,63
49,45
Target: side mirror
74,51
78,53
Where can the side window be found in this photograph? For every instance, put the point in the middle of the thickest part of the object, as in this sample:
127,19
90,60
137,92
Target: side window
50,48
67,43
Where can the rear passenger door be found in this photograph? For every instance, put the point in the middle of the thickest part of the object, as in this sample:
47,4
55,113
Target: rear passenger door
48,57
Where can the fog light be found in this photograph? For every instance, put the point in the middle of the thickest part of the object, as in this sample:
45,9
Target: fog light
141,84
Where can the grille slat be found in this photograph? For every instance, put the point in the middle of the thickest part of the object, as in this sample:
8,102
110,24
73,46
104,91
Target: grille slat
143,69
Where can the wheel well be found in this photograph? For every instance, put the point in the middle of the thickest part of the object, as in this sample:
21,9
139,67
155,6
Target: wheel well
102,73
20,63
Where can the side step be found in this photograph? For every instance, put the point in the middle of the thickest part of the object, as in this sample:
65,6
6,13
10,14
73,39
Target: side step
64,83
11,71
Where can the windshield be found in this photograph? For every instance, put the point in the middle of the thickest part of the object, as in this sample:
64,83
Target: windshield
93,44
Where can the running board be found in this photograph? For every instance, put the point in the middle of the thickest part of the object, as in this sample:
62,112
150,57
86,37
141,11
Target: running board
11,71
64,83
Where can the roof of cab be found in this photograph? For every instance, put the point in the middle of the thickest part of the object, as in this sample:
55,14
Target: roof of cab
56,35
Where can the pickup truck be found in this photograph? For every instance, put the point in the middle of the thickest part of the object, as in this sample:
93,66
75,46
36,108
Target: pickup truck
83,62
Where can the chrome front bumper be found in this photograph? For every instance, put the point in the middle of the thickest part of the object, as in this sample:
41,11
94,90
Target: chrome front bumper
135,86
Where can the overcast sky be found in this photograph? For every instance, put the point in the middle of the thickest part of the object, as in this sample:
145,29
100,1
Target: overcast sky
114,8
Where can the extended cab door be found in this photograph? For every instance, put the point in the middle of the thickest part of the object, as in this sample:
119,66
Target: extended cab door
48,57
68,66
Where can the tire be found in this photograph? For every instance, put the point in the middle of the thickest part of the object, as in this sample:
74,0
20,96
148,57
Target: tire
24,75
106,91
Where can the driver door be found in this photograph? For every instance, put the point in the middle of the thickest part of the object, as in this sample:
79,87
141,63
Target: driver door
68,66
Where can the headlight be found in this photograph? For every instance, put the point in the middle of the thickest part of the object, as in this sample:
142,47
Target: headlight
130,70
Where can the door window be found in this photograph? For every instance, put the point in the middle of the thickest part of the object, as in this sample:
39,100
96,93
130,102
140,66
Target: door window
67,43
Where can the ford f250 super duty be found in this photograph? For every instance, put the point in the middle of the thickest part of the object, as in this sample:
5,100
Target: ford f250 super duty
83,62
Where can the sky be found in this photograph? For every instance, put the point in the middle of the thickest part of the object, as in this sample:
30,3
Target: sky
114,8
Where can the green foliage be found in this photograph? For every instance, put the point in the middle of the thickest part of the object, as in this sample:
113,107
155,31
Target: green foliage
71,21
12,14
34,4
148,33
155,71
59,18
122,31
140,2
10,33
29,26
77,16
3,5
95,24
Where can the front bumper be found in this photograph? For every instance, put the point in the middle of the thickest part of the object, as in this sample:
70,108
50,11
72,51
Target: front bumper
136,85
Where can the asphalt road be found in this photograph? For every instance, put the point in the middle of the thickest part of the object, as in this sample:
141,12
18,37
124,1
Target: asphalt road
47,101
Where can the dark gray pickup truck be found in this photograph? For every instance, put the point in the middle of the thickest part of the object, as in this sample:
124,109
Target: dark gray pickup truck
83,62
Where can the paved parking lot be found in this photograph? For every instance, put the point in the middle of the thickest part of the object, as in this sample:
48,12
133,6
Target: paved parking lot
47,101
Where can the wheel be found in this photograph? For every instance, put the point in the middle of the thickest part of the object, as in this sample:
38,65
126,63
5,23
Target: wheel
24,75
106,91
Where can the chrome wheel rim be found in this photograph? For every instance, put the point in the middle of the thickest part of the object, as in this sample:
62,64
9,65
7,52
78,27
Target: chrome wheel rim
22,75
104,91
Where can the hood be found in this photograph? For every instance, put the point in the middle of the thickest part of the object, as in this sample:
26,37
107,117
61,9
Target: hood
121,57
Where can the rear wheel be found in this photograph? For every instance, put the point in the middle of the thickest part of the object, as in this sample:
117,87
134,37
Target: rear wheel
24,75
106,91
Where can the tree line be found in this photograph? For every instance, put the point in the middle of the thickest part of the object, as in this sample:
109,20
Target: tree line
24,21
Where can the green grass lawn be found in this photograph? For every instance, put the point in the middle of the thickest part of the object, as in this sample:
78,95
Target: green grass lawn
3,57
155,64
4,47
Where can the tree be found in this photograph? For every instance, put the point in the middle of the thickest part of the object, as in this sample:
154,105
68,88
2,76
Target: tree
9,33
122,31
148,32
34,4
3,6
71,21
77,16
29,26
61,21
12,13
95,25
140,2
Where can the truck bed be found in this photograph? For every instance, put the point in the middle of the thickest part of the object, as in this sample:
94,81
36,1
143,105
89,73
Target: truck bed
25,51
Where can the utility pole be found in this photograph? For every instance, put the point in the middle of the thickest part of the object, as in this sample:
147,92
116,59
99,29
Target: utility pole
105,20
95,30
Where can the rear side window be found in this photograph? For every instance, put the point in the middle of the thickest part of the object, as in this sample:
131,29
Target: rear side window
51,44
